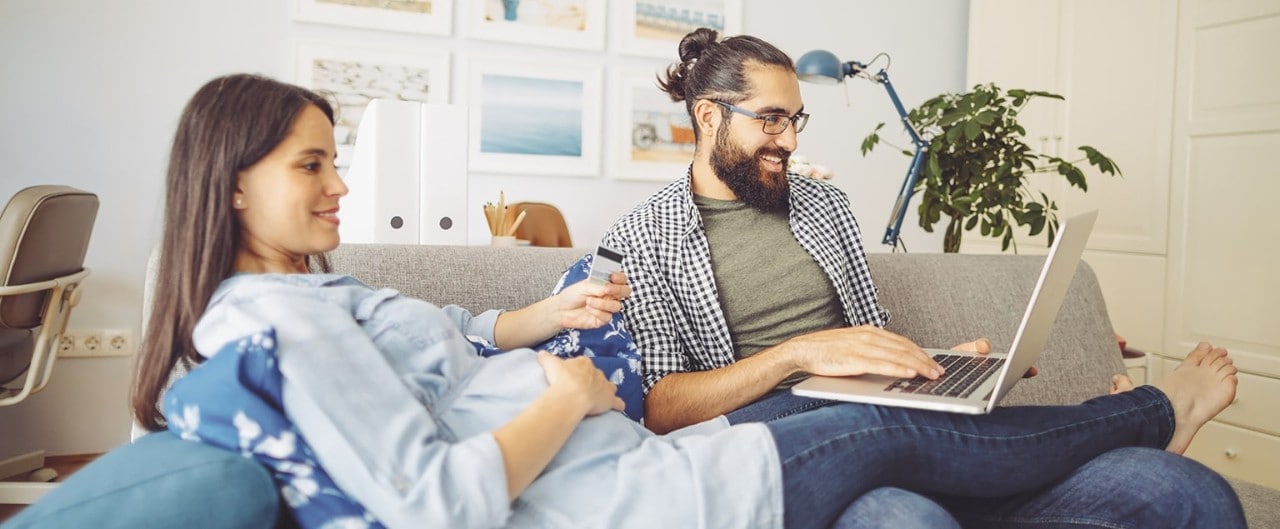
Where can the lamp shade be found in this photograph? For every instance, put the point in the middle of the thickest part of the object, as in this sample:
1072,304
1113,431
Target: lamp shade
820,66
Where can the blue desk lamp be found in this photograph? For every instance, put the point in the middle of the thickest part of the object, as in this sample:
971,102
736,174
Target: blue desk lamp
823,67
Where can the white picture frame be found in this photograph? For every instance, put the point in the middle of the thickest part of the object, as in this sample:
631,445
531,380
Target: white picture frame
653,28
429,17
578,24
534,118
652,137
351,75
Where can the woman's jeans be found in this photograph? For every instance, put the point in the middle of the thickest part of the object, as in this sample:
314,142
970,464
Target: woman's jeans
1059,466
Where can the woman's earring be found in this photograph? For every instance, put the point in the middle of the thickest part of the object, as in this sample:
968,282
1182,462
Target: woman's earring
239,203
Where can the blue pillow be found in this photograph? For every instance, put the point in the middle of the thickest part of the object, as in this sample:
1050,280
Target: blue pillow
610,347
233,401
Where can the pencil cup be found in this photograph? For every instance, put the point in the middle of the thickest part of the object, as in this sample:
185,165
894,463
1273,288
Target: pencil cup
503,240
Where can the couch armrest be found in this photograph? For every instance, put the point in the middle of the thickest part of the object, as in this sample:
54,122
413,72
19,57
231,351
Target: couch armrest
160,481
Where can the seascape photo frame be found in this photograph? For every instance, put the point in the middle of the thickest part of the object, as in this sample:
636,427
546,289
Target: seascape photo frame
578,24
653,28
351,75
429,17
652,137
534,118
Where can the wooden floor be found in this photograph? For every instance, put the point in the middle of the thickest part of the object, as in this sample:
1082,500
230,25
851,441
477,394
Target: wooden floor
64,465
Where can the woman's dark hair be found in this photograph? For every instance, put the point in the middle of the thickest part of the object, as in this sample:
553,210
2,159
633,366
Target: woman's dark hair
712,69
230,124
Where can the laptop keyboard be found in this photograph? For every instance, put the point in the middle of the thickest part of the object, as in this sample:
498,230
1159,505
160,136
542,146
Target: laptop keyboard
964,374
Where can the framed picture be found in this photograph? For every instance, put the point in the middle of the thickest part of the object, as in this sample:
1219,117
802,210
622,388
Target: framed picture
534,118
560,23
433,17
353,75
653,137
653,28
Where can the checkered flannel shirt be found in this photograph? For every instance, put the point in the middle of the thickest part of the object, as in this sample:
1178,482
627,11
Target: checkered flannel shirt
674,311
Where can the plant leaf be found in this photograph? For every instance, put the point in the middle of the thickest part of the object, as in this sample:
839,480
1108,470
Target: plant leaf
951,117
1037,226
869,143
1105,165
986,117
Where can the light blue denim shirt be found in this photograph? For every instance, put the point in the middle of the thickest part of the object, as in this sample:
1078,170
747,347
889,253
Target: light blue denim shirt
400,411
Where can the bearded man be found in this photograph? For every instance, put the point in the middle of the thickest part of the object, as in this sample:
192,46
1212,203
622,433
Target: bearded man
745,279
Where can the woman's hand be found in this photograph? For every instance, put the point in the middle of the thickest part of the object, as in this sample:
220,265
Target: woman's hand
578,380
582,305
588,304
528,442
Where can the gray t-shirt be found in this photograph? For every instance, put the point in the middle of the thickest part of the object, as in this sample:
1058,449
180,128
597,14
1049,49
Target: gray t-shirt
770,288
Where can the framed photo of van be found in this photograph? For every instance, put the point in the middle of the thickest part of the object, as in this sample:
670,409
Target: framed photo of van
653,136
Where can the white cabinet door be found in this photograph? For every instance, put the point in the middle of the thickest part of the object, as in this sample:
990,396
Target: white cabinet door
1113,61
1223,286
1117,73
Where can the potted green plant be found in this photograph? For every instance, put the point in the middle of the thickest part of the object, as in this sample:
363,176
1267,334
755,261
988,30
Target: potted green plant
976,168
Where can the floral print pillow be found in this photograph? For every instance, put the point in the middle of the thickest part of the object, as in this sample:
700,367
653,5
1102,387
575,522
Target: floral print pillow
233,401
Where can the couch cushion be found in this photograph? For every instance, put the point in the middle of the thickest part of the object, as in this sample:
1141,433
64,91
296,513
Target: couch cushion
159,481
1261,504
476,278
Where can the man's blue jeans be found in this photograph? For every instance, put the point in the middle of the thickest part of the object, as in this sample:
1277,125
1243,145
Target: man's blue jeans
1098,464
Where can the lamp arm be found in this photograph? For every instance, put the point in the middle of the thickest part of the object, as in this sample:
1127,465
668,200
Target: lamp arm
899,211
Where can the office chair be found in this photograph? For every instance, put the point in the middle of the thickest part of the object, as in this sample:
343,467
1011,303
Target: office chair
44,235
543,225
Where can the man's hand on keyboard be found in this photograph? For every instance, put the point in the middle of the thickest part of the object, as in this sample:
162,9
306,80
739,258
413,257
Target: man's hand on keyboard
983,346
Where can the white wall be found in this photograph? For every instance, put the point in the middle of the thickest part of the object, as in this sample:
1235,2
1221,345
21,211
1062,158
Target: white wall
91,91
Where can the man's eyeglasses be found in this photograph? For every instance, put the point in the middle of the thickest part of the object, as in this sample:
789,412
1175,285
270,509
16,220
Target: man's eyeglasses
773,123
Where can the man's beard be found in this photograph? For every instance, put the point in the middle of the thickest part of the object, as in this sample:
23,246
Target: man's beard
764,190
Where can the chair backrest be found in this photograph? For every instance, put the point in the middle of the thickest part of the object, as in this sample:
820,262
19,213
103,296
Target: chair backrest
44,236
543,225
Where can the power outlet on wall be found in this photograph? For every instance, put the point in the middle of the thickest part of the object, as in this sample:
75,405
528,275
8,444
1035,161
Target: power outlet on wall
66,344
117,342
90,343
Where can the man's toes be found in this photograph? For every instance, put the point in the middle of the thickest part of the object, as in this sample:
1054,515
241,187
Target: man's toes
1199,353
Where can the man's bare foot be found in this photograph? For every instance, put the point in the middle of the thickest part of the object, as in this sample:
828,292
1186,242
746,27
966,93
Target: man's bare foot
1203,385
1121,383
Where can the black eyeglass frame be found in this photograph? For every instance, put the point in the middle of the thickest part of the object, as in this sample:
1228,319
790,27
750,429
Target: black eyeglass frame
797,121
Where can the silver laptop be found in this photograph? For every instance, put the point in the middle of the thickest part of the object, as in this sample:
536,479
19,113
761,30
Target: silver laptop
974,383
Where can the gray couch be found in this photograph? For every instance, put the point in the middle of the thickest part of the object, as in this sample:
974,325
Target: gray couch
935,299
